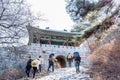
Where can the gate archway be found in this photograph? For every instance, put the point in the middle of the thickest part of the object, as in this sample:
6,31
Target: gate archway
61,60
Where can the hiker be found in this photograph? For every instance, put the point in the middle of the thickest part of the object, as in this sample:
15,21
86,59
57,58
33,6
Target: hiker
51,62
69,59
35,66
40,63
77,59
28,66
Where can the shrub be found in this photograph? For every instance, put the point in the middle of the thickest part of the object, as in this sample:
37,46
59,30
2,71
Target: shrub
106,61
11,74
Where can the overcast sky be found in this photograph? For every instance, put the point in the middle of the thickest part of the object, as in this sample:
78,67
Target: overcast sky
54,11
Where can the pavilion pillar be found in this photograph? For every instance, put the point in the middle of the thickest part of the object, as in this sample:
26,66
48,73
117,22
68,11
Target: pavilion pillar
49,41
76,43
38,40
67,43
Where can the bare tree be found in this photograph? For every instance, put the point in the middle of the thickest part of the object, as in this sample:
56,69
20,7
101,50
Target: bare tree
14,16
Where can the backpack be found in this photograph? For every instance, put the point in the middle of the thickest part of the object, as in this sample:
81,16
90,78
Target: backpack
33,63
69,56
77,56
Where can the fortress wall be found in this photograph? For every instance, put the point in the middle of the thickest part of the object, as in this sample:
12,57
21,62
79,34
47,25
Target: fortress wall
45,49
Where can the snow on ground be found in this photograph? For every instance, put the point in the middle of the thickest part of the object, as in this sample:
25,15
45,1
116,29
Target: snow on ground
64,74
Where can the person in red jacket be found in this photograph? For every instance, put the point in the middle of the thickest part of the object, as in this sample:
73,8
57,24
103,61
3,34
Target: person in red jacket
77,60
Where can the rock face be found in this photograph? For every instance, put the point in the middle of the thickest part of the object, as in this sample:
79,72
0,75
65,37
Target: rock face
13,61
11,58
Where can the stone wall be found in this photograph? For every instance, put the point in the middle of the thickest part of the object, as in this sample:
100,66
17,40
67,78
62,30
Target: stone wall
45,49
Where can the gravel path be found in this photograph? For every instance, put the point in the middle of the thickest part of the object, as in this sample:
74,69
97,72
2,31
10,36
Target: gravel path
62,74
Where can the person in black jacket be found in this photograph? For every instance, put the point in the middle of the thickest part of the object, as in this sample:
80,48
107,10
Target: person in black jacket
28,66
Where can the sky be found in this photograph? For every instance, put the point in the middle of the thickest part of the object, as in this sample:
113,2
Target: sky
55,13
